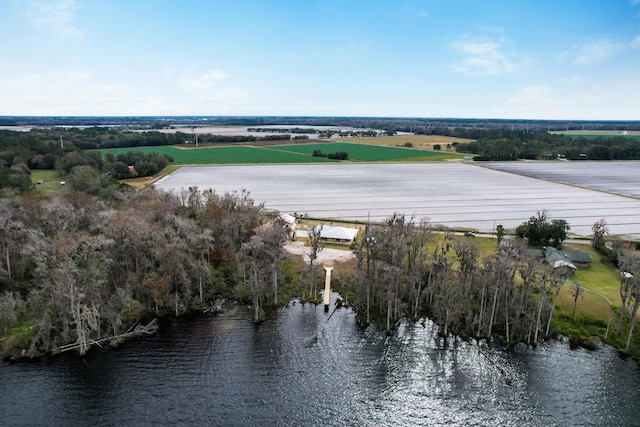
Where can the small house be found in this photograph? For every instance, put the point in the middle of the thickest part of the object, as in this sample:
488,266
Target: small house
573,259
558,258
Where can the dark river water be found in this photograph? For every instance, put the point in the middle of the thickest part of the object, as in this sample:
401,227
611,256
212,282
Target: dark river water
227,371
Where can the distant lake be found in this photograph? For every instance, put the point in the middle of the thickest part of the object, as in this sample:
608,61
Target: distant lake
226,371
459,195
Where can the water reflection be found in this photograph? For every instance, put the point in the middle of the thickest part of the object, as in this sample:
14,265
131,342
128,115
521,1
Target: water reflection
228,371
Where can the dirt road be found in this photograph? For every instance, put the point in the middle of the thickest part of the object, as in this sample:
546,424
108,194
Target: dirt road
327,256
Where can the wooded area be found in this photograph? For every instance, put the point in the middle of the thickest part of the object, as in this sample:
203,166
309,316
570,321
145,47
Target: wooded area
512,145
407,269
77,268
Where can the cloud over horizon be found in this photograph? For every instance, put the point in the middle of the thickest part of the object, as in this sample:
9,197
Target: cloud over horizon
482,57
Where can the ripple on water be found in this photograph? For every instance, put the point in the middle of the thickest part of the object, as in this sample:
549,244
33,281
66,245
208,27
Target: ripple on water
227,371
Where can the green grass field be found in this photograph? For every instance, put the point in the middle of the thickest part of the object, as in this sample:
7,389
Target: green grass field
363,152
291,153
223,155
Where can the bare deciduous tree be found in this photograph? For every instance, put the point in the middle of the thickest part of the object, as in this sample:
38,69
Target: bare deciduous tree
315,247
599,230
630,264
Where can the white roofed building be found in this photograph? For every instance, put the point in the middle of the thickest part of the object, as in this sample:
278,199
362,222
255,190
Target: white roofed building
338,234
288,222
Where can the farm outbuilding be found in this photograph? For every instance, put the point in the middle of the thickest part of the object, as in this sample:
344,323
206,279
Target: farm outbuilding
289,223
338,234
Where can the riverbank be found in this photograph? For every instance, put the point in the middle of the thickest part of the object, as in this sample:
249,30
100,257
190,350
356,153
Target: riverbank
596,313
225,370
587,328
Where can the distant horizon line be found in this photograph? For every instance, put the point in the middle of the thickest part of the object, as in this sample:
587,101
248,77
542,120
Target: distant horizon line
199,116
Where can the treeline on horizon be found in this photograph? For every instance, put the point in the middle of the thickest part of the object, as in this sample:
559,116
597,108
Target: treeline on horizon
508,145
43,139
404,124
490,144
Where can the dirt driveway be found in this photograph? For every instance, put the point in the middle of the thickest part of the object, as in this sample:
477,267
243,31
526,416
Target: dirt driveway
327,256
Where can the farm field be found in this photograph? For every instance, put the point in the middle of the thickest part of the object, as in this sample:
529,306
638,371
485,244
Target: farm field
622,177
288,153
365,153
454,194
418,141
224,155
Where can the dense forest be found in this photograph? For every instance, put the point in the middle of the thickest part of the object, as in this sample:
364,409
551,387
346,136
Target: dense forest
77,267
507,145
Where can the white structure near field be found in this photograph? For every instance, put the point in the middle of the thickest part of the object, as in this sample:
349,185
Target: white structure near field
331,234
289,223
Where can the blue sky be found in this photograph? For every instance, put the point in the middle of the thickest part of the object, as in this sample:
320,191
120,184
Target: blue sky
529,59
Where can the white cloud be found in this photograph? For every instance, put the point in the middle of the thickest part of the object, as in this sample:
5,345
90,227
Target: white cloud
532,95
609,100
227,94
594,52
484,57
209,87
635,2
54,15
77,75
79,92
57,94
202,81
635,43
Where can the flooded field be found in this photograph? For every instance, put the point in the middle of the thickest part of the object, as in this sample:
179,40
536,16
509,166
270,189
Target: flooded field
453,194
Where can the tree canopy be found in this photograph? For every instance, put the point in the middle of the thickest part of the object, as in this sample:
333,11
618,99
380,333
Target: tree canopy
540,231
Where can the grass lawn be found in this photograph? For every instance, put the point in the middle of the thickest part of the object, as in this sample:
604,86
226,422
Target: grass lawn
589,303
50,180
599,277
